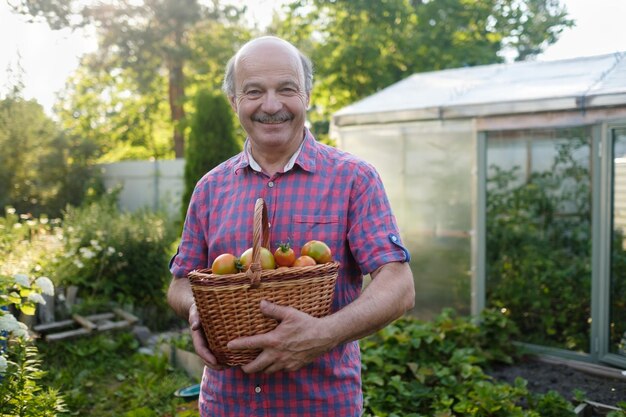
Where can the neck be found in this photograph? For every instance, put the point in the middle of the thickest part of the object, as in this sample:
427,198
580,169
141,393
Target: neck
271,159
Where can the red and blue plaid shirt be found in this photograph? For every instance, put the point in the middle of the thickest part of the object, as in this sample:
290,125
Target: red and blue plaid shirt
328,195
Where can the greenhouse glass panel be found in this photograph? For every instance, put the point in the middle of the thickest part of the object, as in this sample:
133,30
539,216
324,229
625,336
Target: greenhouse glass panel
617,289
439,198
538,227
427,171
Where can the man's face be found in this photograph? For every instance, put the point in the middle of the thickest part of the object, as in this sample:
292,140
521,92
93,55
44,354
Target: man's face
270,98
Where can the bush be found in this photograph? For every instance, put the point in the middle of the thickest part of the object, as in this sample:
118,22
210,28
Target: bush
116,256
212,139
413,368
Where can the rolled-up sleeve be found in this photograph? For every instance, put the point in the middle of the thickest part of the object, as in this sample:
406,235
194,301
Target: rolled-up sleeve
373,235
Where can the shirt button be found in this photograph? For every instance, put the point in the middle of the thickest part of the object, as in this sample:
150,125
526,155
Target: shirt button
257,389
394,239
270,184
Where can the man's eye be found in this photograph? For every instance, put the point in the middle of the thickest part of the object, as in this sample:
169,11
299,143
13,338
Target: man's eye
253,93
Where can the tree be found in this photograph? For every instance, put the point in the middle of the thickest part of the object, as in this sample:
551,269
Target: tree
361,46
98,107
41,168
144,38
212,139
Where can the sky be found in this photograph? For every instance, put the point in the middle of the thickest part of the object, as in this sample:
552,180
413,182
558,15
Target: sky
48,57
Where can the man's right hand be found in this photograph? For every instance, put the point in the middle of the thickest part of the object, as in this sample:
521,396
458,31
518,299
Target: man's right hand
200,343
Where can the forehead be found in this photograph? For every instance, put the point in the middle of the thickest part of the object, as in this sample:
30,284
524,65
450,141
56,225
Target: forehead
267,61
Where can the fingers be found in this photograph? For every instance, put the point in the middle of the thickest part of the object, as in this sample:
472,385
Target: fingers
194,317
202,349
275,311
200,343
242,343
257,365
261,341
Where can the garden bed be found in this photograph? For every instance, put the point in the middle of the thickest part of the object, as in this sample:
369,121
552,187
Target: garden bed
545,374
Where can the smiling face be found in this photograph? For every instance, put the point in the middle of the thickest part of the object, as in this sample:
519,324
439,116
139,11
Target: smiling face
270,98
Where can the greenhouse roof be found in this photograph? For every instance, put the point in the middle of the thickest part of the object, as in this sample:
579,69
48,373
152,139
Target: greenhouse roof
520,87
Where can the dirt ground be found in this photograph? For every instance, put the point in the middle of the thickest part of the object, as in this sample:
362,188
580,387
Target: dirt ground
542,377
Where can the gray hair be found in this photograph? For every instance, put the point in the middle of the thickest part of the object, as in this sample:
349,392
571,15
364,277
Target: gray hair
228,86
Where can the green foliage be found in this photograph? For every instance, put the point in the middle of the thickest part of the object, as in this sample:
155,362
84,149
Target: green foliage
27,243
21,393
620,413
144,45
105,376
413,368
539,249
115,256
97,107
551,404
211,140
41,168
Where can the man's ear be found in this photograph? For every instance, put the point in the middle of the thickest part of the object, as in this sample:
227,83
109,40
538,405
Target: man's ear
233,103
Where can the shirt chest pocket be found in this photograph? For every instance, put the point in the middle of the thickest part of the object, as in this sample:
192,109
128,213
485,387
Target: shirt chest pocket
324,227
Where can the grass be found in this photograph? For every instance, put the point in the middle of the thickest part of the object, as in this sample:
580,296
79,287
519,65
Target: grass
105,375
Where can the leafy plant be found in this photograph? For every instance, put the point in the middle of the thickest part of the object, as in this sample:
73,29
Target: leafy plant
414,368
116,256
620,413
106,376
539,247
21,393
27,243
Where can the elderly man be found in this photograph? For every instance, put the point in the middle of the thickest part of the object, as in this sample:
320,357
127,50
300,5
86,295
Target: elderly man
307,366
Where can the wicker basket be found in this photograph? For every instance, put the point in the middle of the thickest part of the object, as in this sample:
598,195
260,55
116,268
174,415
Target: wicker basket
229,304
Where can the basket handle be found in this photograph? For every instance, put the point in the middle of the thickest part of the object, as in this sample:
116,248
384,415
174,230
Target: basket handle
260,230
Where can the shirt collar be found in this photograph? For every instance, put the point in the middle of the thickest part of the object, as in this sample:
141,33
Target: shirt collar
303,157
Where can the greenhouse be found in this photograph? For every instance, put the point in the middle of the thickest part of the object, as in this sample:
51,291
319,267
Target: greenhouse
509,184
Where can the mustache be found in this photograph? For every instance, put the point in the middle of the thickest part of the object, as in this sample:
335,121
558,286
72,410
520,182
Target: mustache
281,116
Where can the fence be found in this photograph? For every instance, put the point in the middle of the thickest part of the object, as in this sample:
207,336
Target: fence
155,185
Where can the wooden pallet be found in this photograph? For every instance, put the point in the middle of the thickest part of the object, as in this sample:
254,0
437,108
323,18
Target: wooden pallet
94,323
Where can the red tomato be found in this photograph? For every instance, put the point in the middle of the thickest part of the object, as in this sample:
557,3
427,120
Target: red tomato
225,264
267,259
304,260
317,250
284,255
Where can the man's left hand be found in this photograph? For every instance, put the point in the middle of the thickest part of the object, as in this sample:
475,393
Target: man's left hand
296,341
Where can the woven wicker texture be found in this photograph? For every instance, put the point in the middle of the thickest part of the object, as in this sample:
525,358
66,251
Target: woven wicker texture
229,304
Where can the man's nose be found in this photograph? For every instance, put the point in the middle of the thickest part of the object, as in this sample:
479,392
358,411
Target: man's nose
271,103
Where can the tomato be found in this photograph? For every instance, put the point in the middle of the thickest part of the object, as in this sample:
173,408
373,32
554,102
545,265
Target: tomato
267,259
284,255
226,263
304,260
317,250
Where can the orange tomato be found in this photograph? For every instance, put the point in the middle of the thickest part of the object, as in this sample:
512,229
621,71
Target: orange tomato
226,263
284,255
304,260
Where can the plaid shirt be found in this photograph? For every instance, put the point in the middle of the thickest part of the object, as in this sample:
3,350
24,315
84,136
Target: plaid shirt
328,195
